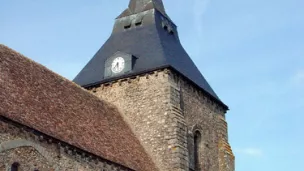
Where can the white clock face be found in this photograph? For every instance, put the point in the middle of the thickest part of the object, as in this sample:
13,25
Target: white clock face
118,65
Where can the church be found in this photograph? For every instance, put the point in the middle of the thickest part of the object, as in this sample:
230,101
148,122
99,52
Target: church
140,104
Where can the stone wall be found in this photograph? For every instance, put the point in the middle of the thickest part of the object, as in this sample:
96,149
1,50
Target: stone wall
164,110
203,115
34,151
146,103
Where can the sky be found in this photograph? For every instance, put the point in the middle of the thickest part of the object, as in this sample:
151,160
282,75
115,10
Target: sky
251,52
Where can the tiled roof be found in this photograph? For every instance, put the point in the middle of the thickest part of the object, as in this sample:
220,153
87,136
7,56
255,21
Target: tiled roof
36,97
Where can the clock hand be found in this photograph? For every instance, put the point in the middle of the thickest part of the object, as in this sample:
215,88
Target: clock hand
116,66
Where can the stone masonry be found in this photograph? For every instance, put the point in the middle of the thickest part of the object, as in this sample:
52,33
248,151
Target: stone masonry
35,151
165,110
204,115
145,103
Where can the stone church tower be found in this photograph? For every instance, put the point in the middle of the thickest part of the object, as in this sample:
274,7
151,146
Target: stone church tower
144,71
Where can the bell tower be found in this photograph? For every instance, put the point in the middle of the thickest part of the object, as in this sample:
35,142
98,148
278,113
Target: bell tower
144,70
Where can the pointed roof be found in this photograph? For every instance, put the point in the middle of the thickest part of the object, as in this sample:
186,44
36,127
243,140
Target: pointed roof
138,6
36,97
145,31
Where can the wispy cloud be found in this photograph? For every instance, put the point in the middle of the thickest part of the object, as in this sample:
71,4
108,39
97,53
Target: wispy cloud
297,87
199,9
254,152
298,78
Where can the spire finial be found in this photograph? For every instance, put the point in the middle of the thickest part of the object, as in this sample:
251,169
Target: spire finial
137,6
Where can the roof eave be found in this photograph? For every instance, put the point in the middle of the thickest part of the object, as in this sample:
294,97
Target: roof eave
222,104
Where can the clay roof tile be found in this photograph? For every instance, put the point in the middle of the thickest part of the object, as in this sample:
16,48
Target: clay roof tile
41,99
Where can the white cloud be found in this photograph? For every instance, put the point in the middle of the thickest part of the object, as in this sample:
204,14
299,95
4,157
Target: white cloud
254,152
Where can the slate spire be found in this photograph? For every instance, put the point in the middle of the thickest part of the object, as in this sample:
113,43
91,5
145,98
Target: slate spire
147,40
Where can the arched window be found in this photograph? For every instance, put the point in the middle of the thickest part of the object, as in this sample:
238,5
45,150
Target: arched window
15,166
197,140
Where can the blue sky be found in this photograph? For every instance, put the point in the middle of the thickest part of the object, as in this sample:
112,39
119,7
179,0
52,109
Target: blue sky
251,52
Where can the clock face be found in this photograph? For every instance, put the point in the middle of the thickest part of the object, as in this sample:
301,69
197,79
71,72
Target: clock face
118,65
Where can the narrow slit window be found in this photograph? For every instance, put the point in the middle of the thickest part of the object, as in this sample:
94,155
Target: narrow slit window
138,24
127,24
127,27
197,141
139,20
15,166
170,30
166,28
